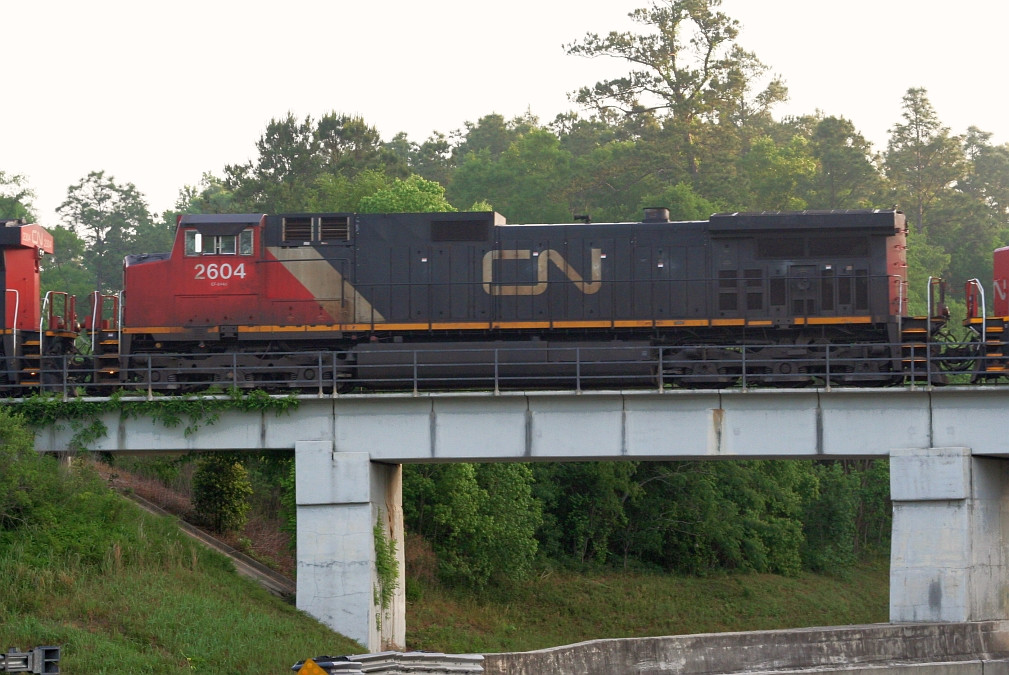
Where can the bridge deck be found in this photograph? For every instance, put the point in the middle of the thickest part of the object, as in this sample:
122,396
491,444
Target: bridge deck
598,425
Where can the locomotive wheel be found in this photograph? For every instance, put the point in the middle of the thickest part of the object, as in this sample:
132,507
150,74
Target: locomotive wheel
701,367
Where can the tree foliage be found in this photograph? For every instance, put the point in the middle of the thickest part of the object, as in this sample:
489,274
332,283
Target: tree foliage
110,218
413,195
221,489
922,160
15,197
480,519
26,478
298,157
686,69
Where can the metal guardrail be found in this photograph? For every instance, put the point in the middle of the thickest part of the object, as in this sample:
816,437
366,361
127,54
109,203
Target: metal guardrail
37,660
398,663
498,367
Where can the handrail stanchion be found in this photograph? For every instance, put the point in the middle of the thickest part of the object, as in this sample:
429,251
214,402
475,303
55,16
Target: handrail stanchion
415,374
150,375
578,370
742,362
14,323
983,352
318,372
336,388
826,352
42,319
913,378
497,373
661,370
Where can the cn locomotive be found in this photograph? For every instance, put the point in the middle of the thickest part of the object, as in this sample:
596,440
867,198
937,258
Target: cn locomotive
464,300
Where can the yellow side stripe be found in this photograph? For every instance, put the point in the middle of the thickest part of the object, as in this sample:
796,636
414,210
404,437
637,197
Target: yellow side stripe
507,325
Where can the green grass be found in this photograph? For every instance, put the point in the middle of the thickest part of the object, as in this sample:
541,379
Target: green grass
125,592
562,609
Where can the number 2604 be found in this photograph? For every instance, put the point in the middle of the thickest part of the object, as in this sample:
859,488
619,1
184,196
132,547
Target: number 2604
222,271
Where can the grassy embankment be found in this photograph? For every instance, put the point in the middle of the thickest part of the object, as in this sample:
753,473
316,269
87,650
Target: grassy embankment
122,591
566,608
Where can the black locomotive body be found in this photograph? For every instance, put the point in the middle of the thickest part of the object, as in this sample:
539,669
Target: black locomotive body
463,298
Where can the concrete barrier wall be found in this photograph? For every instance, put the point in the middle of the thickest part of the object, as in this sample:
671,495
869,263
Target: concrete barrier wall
978,648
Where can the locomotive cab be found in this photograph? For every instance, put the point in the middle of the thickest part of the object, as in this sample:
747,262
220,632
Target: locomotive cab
206,286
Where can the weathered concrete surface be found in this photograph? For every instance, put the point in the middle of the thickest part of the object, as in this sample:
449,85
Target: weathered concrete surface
341,498
980,648
949,554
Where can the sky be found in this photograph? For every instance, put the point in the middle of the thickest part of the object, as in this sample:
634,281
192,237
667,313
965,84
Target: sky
158,93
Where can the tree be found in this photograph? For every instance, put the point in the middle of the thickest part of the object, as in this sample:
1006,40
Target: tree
280,178
687,70
585,506
491,133
66,269
431,159
28,480
412,195
987,176
829,519
528,182
108,217
299,158
211,195
338,192
776,174
964,227
683,203
922,160
349,145
15,197
479,518
924,260
846,175
221,489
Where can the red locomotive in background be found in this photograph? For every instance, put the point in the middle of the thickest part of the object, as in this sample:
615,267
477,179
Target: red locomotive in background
338,300
34,325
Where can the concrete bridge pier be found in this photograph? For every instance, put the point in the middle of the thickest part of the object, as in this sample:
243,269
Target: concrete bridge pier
343,498
949,555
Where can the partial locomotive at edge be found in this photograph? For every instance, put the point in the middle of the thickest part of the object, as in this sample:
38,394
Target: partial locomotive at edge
331,302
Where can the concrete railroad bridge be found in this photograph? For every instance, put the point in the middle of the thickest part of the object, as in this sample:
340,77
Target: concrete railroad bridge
949,481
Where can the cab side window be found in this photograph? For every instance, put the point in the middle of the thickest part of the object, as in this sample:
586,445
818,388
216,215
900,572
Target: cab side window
221,244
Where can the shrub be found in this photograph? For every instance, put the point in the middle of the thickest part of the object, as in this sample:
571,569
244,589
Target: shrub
221,489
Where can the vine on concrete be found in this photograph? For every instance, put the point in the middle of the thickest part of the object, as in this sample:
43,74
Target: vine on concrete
386,569
83,415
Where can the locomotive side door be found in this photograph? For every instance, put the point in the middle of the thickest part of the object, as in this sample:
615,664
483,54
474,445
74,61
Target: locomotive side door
803,290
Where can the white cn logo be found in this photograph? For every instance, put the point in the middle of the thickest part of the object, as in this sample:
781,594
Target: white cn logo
544,260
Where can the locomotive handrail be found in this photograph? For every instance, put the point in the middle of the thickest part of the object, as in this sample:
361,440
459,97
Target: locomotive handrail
14,331
42,319
119,319
928,296
984,309
496,368
95,313
493,368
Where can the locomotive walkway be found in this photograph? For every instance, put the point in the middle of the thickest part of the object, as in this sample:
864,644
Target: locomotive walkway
947,446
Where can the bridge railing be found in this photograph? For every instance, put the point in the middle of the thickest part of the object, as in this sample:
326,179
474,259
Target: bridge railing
501,366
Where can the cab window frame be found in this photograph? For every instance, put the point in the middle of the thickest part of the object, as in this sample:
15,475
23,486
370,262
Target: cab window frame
197,244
